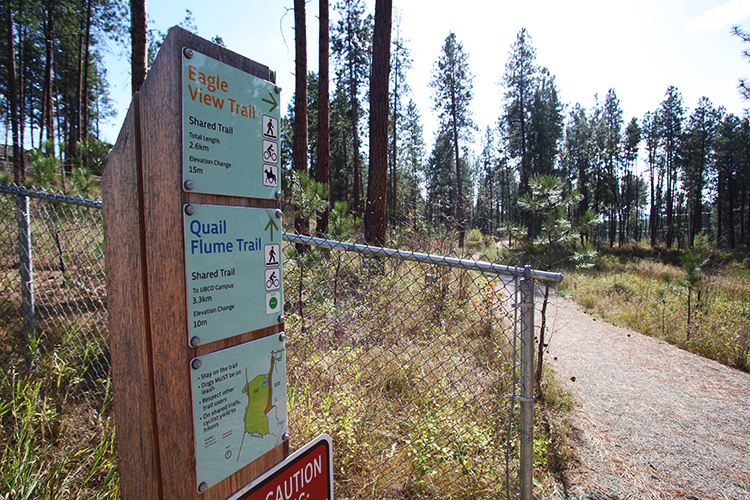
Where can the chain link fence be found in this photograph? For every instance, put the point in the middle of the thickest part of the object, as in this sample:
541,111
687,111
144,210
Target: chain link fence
52,287
408,358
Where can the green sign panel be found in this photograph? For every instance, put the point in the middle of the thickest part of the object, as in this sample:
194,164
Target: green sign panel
239,407
234,272
230,127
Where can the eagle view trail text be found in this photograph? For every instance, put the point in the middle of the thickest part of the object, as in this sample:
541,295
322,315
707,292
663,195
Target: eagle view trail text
214,83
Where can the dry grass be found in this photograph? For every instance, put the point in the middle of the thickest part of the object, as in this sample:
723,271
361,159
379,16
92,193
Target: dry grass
655,299
403,365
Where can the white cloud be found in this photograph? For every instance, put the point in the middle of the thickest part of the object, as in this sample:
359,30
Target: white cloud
720,18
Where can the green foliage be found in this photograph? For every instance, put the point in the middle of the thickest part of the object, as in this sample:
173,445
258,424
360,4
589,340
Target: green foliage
341,224
92,155
82,182
558,236
308,196
474,240
44,165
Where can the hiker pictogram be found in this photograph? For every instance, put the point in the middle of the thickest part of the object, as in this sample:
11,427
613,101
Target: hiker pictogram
272,254
270,127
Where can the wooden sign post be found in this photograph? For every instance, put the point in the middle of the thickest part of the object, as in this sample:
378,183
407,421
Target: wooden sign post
194,276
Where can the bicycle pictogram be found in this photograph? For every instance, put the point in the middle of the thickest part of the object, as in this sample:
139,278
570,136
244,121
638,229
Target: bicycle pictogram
272,282
270,151
269,154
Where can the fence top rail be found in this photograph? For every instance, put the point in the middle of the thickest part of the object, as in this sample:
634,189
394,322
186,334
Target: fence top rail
440,260
22,191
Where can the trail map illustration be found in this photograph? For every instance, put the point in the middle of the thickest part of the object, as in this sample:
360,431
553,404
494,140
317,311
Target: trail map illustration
239,406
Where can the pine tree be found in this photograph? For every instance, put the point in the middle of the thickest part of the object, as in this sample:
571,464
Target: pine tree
452,84
546,125
400,62
576,157
487,189
696,154
520,81
441,180
413,150
377,183
631,142
671,117
611,128
651,136
352,45
730,161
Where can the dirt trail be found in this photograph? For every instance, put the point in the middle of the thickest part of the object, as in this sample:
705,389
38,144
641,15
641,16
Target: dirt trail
651,421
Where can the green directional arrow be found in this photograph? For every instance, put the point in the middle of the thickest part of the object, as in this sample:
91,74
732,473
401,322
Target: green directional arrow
272,225
272,102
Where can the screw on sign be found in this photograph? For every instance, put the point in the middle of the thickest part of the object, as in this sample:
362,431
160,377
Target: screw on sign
306,475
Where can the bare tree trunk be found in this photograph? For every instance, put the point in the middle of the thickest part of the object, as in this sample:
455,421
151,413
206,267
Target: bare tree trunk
540,352
459,183
74,130
83,126
301,225
49,103
378,176
324,117
356,191
139,41
21,92
19,173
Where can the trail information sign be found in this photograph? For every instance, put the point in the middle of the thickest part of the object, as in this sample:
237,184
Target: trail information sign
195,277
234,271
230,130
306,475
239,406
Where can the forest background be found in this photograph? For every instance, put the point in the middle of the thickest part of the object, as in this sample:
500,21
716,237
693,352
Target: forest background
665,172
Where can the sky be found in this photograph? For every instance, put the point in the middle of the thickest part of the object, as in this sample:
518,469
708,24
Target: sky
639,48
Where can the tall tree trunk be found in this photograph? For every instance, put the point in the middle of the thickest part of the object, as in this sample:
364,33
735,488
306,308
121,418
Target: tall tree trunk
21,91
670,208
19,173
301,224
356,191
49,102
459,183
377,186
324,114
392,202
732,188
652,213
83,127
139,42
393,157
74,133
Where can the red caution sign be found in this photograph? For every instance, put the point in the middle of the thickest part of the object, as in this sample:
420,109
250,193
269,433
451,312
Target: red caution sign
305,475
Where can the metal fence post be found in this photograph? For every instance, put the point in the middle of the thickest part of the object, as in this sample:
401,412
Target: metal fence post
26,275
527,385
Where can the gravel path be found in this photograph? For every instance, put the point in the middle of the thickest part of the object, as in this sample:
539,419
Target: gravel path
651,421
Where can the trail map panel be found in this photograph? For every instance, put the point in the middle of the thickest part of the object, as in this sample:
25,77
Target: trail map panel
234,268
239,406
230,127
